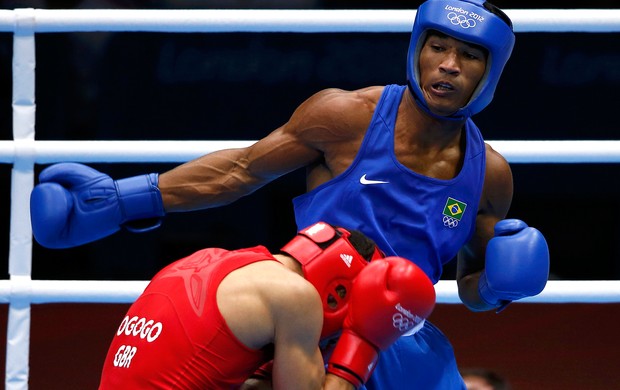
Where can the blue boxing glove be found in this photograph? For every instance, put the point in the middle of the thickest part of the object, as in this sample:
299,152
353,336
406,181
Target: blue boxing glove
517,264
74,204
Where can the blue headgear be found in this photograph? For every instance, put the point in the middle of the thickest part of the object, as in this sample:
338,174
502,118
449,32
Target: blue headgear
469,21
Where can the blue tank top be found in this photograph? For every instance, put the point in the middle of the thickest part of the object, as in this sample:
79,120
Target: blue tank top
423,219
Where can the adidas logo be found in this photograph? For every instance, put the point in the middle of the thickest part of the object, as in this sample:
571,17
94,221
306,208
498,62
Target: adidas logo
347,259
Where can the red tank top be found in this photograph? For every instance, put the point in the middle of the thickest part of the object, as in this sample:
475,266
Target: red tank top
174,336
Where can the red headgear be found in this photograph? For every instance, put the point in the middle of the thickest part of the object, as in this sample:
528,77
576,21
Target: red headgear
330,262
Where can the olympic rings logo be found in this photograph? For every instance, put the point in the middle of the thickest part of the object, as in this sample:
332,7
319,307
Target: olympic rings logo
401,322
450,222
461,20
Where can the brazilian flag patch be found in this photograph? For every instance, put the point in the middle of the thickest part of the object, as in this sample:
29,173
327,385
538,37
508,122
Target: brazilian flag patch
454,208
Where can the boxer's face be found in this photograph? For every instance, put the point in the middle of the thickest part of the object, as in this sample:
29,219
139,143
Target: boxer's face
450,70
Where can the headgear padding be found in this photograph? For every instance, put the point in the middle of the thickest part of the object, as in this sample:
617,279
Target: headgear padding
468,21
331,263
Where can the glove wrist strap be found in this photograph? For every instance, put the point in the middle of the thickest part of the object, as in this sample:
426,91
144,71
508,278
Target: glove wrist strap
353,359
140,199
487,295
485,292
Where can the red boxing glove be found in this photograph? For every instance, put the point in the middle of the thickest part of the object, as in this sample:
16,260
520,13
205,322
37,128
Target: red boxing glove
389,298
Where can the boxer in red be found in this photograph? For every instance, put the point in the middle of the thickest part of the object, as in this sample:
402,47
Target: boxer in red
212,319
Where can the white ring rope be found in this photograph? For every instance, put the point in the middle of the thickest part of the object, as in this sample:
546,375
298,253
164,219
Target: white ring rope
23,152
47,152
108,291
308,21
556,291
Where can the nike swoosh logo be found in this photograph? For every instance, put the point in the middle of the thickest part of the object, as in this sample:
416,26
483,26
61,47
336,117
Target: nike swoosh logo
365,181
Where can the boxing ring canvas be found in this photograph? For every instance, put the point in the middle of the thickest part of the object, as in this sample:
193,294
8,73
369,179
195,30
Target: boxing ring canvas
24,152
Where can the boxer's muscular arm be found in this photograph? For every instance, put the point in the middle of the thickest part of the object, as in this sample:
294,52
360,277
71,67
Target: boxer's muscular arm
224,176
284,310
321,125
494,205
298,363
74,204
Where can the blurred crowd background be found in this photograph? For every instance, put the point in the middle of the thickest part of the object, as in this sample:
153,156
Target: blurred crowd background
186,86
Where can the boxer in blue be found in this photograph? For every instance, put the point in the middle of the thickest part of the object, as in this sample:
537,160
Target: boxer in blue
406,165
